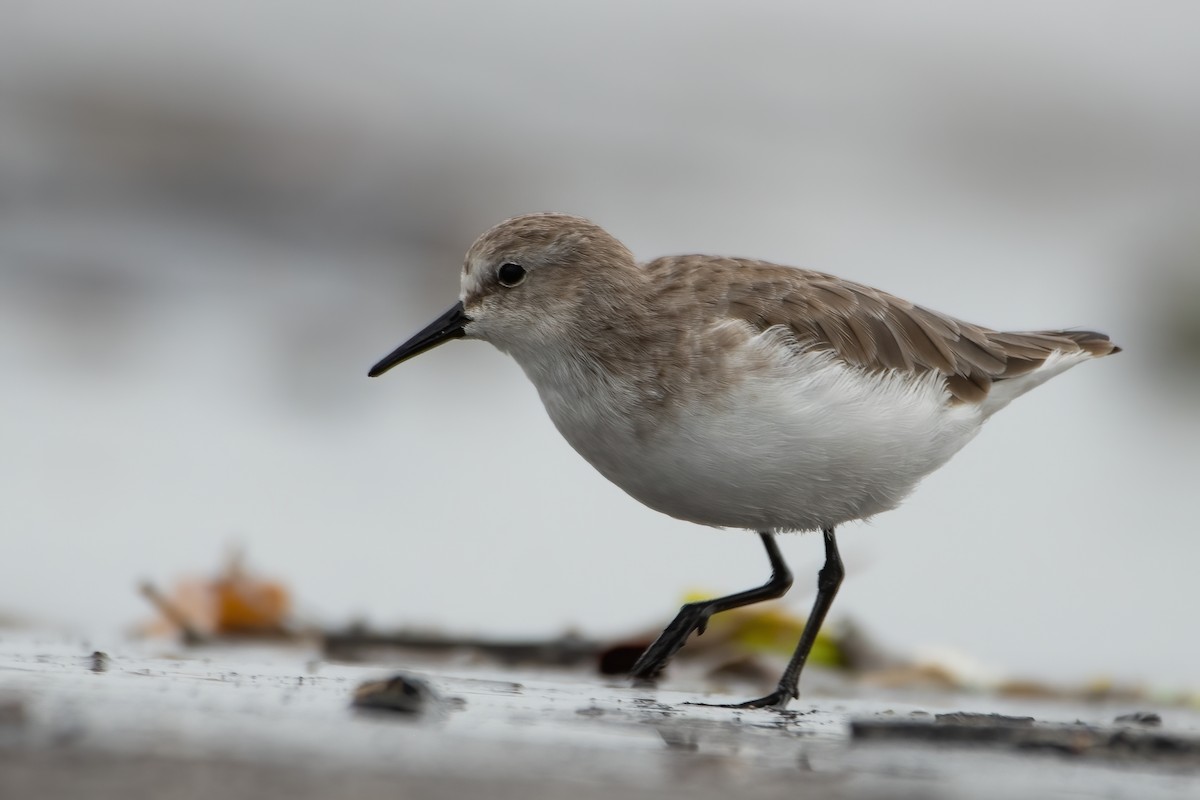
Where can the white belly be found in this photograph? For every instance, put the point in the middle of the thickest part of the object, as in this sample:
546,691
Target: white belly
807,444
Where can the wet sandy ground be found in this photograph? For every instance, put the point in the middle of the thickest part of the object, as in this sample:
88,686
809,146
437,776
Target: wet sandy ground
232,722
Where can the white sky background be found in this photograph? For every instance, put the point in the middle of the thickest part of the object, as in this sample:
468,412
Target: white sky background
214,220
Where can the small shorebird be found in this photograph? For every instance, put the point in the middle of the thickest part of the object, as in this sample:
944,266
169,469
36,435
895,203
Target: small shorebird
738,393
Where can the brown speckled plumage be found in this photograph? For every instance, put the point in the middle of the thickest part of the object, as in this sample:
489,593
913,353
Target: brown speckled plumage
864,327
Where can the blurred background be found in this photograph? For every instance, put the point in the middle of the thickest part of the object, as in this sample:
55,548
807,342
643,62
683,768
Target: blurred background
215,217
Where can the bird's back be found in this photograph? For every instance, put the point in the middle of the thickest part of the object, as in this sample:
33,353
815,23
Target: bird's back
874,330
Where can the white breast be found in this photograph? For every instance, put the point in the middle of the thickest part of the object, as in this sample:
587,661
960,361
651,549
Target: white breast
804,443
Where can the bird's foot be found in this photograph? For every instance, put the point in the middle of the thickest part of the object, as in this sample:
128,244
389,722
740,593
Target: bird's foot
692,617
775,701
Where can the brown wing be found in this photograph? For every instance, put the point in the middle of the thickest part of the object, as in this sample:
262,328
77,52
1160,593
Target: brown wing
878,331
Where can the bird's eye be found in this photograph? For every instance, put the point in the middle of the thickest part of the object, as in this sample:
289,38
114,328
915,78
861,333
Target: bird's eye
510,274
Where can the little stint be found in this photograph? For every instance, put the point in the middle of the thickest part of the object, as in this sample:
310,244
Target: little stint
738,393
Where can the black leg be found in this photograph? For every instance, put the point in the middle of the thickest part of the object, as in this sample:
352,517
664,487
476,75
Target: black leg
694,616
828,581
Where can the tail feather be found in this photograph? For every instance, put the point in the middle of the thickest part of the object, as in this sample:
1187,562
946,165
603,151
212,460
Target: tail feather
1093,343
1036,356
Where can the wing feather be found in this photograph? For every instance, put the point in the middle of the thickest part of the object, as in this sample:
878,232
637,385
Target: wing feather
872,329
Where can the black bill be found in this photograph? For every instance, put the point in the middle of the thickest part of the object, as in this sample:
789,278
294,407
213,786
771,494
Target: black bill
446,327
